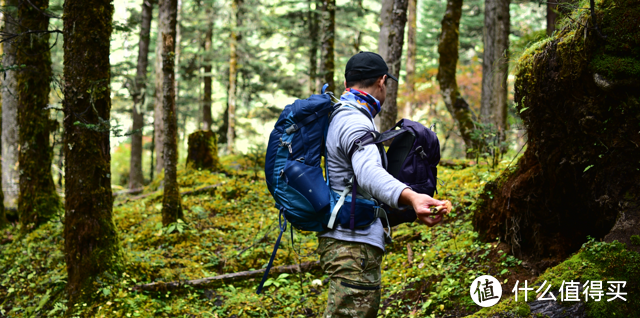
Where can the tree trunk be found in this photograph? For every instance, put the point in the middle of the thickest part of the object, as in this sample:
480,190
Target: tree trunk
313,46
233,76
327,64
10,177
38,200
357,38
207,118
178,49
91,242
171,202
393,18
495,66
555,9
158,124
411,57
448,51
578,99
136,178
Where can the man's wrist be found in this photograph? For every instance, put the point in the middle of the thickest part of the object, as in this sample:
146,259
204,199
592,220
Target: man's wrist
407,196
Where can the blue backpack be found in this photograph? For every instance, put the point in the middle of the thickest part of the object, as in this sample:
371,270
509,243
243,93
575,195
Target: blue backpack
294,175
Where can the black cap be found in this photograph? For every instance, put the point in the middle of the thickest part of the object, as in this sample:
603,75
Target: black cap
366,65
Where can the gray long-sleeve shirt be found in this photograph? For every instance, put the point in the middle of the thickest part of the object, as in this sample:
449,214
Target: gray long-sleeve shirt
345,128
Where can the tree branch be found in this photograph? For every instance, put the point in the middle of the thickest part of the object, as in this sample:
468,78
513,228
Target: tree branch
162,286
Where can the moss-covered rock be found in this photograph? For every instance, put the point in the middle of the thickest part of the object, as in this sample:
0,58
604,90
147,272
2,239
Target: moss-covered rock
580,173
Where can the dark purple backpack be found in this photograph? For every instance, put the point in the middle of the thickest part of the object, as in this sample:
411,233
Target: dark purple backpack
412,158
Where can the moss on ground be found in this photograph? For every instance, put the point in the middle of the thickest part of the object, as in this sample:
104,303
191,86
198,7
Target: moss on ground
233,228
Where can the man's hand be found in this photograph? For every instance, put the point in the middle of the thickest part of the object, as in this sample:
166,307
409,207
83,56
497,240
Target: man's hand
422,204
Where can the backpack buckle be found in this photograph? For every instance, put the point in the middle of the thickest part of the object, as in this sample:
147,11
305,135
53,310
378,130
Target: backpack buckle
420,151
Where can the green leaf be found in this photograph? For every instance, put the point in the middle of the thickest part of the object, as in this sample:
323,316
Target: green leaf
504,271
587,168
523,109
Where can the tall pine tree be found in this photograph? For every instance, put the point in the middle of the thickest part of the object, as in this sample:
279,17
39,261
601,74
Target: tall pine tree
38,200
171,201
136,178
91,242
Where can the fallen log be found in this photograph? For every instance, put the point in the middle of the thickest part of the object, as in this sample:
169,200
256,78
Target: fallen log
194,191
162,286
128,191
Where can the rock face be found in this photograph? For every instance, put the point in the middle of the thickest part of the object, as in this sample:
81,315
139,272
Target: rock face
203,150
579,100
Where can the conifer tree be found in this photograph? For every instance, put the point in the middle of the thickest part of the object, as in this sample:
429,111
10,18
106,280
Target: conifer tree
91,243
448,50
10,176
207,119
38,200
495,64
171,201
235,39
158,124
136,179
411,57
393,17
327,63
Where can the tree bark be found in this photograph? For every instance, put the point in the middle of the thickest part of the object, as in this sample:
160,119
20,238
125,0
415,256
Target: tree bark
313,46
158,124
136,178
207,118
555,9
91,242
38,200
411,57
171,202
579,177
394,18
327,63
233,76
448,51
495,66
10,176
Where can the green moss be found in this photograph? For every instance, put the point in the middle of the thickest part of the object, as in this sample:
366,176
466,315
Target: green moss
615,67
635,240
600,261
506,305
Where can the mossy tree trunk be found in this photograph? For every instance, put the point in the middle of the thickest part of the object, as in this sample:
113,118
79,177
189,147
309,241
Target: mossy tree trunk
312,18
158,124
579,99
207,118
171,202
136,178
38,200
390,48
234,42
448,43
411,58
327,63
203,150
92,247
10,176
495,66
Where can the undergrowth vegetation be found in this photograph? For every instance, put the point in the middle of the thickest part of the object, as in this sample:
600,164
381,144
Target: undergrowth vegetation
231,228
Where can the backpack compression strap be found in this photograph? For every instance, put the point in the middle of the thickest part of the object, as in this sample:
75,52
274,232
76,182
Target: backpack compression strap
283,228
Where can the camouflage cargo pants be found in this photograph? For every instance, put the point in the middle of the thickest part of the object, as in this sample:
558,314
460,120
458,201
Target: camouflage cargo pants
354,272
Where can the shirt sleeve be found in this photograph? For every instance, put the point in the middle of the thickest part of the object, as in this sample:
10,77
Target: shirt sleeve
367,164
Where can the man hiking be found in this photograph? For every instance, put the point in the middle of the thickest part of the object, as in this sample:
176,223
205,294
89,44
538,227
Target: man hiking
352,258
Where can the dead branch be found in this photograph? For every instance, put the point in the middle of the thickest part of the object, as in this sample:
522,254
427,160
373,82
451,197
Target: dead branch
190,192
162,286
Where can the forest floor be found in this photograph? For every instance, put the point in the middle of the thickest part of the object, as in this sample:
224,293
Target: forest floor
231,228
